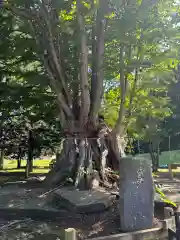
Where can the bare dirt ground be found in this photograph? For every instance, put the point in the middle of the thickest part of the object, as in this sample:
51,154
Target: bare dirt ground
30,197
86,225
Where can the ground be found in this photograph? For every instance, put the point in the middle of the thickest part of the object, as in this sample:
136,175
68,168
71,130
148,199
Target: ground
16,195
27,210
40,219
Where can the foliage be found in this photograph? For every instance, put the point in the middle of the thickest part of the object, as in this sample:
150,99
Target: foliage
25,103
145,37
114,57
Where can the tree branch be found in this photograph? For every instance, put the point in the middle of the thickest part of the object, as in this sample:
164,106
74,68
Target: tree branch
55,84
85,96
24,13
53,51
40,34
98,59
132,95
123,87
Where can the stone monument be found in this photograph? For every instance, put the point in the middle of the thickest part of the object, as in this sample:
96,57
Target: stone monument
136,193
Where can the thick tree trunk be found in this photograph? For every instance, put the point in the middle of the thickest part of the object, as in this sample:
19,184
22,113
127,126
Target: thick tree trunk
81,159
116,150
66,163
1,159
74,163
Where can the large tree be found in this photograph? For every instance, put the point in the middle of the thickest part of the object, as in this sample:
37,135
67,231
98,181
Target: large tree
82,46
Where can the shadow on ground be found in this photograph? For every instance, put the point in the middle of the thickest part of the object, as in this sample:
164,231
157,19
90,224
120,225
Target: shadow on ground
18,178
87,225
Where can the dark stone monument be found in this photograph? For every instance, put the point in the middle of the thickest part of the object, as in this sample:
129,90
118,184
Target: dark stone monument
136,194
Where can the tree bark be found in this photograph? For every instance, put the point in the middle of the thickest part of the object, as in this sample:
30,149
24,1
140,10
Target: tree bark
118,133
18,163
1,159
29,166
154,153
171,175
19,159
117,147
82,158
74,163
83,56
27,170
98,48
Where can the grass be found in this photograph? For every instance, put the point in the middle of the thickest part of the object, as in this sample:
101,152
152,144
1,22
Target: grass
39,166
42,165
166,170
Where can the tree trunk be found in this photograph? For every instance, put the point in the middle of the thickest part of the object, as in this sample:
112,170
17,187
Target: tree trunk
18,163
30,151
19,159
171,176
116,150
81,159
27,170
1,159
29,165
154,152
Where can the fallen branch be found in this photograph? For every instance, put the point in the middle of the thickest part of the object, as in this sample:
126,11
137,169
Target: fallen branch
6,226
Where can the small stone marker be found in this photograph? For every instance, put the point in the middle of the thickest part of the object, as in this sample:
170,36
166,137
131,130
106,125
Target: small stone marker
136,194
70,234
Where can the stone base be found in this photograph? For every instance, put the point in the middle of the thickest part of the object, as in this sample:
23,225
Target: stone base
83,201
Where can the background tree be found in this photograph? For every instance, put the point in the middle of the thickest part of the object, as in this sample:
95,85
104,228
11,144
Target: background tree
25,104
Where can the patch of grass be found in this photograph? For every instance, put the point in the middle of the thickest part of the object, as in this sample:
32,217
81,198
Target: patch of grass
40,166
166,170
